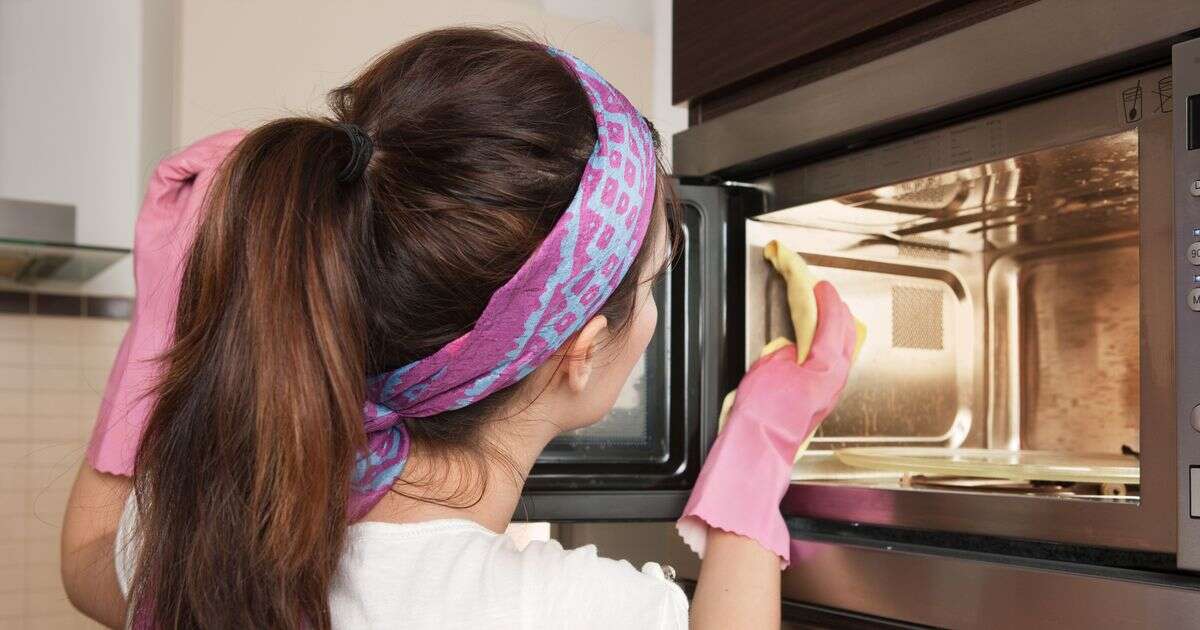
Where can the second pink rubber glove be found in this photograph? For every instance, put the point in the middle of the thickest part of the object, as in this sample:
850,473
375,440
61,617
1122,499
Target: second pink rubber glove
779,404
166,226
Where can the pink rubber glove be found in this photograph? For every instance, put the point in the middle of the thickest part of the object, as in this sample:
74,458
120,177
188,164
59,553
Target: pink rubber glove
779,404
166,227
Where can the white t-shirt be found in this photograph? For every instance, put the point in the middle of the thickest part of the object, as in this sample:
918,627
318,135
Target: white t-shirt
458,574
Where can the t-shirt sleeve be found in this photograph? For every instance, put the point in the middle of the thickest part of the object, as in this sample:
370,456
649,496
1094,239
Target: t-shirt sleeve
586,590
125,547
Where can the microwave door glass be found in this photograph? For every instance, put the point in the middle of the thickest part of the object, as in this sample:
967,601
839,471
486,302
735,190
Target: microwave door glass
1002,306
635,431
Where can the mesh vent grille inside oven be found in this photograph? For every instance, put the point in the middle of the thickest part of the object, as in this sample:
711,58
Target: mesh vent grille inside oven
932,197
917,318
928,249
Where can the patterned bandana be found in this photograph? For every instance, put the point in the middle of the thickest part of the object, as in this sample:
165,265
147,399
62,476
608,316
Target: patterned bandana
562,285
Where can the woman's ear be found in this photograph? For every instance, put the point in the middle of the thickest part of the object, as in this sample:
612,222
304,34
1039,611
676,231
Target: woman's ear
577,364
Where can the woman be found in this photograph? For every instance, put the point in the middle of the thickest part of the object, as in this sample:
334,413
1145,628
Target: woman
468,247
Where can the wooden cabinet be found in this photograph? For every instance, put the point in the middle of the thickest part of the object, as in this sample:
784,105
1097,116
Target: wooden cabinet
728,53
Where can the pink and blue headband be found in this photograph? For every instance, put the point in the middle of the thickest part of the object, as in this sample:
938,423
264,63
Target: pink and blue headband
562,285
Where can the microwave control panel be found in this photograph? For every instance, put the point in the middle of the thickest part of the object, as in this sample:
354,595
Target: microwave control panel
1185,64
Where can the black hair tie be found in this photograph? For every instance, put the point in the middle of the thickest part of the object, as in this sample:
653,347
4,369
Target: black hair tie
361,149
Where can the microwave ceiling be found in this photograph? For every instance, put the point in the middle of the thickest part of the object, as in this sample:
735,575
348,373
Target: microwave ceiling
1083,189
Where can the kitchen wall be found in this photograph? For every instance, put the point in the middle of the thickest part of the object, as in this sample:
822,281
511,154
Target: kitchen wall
84,113
77,126
55,353
244,62
94,92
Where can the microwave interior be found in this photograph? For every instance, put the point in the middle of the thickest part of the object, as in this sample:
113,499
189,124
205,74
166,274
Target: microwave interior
1002,309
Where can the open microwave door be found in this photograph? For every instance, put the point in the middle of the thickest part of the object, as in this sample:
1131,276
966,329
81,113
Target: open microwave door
639,462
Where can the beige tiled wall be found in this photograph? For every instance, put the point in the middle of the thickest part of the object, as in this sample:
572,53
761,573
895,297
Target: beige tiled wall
52,374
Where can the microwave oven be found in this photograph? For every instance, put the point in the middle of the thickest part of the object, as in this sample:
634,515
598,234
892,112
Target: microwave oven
1017,272
1030,281
1013,209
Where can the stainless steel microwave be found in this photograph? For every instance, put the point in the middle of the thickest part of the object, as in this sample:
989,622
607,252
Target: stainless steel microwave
1028,277
1014,211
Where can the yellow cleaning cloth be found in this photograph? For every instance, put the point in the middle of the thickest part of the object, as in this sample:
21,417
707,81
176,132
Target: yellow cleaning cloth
802,304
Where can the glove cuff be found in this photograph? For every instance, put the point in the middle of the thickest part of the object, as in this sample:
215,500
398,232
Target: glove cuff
771,535
739,491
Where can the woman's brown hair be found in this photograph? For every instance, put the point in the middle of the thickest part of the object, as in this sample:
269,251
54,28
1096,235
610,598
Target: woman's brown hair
298,286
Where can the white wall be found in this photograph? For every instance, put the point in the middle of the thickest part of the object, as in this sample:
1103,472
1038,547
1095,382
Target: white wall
69,85
245,62
94,92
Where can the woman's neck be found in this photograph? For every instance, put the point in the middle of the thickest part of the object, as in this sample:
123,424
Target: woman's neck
478,487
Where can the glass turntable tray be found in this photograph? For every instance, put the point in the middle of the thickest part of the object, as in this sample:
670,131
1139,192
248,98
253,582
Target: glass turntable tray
996,464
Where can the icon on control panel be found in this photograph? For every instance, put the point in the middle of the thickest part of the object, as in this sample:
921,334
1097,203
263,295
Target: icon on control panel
1131,103
1195,189
1193,299
1165,105
1193,253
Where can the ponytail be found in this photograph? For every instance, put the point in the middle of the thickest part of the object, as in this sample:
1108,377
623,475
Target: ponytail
475,146
242,477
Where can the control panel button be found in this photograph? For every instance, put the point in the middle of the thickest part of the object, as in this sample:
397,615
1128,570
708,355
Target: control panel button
1193,299
1195,189
1196,417
1195,491
1194,253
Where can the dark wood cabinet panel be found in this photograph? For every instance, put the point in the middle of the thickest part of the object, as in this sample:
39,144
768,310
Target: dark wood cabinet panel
718,43
798,68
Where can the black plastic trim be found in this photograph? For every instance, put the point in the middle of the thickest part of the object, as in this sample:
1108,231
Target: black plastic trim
801,615
702,342
600,505
675,350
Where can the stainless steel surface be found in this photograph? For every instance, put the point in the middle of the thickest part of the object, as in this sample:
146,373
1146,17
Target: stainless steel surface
1065,374
962,591
1194,488
1054,122
636,542
1061,332
36,221
1032,44
1045,232
914,389
52,268
37,246
1145,526
1186,63
973,592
